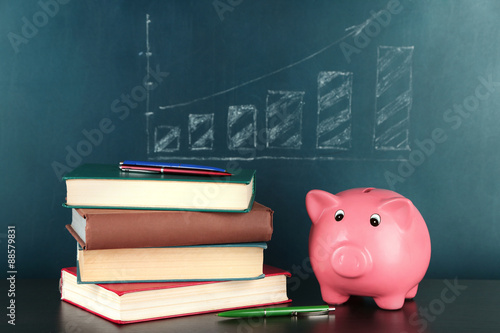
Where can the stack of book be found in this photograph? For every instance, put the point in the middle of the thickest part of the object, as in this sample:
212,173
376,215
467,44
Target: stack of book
153,246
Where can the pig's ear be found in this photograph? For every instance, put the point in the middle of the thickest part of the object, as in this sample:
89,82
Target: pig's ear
401,209
317,201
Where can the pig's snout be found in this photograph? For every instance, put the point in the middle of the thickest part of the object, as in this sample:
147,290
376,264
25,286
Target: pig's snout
349,261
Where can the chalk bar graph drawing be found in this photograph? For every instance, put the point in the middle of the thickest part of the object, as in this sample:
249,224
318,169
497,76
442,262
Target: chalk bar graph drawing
334,110
280,134
393,98
167,139
201,131
284,119
242,127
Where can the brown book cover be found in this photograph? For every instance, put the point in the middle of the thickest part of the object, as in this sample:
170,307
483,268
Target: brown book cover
115,228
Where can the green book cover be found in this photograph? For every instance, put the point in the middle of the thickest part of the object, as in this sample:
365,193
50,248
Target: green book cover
108,191
109,171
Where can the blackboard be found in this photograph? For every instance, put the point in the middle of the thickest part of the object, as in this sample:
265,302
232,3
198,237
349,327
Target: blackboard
319,94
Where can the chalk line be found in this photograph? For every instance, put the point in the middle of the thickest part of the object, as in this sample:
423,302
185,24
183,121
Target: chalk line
355,30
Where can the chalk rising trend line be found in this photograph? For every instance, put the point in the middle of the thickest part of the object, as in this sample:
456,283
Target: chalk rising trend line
354,31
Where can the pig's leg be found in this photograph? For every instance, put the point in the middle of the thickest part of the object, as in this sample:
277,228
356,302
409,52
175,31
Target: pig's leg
331,296
393,302
412,293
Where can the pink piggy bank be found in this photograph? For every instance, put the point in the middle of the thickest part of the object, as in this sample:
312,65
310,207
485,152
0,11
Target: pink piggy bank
367,242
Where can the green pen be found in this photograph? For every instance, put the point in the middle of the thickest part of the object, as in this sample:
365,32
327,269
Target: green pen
314,310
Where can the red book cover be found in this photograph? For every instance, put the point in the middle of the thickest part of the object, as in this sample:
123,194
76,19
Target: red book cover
121,289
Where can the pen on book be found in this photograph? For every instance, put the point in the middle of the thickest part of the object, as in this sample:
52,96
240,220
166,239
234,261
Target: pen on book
156,167
172,165
314,310
147,169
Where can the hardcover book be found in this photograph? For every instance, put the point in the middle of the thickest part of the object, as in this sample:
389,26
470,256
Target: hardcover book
106,186
124,303
96,229
177,263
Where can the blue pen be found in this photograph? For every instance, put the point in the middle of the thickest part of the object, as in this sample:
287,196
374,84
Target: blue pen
173,165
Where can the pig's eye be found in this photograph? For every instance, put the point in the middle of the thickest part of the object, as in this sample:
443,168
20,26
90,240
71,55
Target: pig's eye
375,220
339,215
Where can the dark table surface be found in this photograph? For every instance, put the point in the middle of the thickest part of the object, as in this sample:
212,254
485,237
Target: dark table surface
447,305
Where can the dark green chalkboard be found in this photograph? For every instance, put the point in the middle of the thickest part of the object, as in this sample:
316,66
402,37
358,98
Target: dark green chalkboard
330,95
